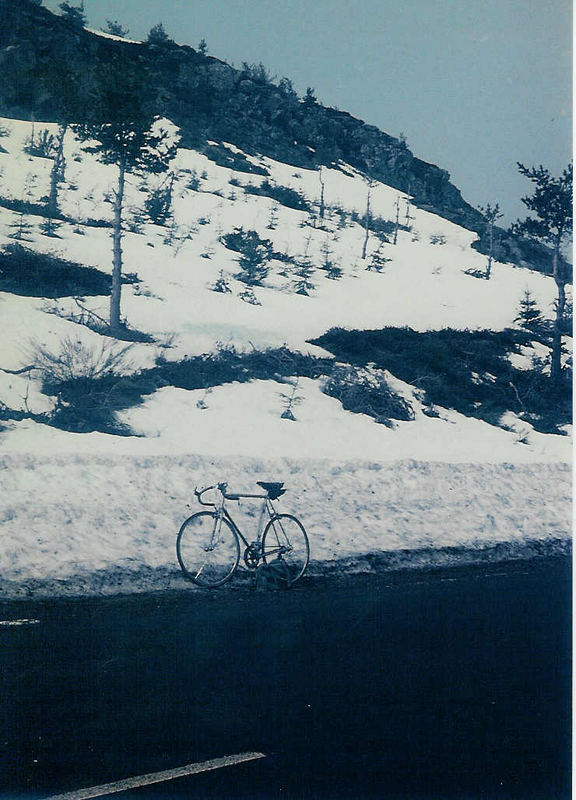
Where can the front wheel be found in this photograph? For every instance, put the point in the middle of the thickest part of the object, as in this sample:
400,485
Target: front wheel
285,540
208,550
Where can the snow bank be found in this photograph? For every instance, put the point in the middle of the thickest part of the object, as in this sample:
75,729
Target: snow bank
96,524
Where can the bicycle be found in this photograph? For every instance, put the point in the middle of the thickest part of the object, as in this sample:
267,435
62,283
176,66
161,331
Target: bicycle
208,543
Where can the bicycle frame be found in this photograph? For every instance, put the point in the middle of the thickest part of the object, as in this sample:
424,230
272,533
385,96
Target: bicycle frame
267,510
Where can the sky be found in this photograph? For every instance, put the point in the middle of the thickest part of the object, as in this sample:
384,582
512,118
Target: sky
474,85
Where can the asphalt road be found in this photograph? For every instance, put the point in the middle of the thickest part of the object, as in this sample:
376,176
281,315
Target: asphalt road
448,684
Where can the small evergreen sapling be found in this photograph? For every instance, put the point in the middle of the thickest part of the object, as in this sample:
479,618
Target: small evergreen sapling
529,315
273,218
221,284
329,264
202,403
158,203
289,401
21,228
247,294
378,260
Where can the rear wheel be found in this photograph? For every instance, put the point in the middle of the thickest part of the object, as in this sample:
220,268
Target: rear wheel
208,550
285,539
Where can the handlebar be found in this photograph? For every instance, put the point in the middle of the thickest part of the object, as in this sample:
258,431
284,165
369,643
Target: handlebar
222,487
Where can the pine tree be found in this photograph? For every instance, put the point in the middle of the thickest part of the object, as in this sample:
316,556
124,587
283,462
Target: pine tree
114,28
378,260
157,35
202,47
253,261
490,214
310,98
529,315
273,218
21,228
330,266
290,401
129,140
303,276
73,14
158,203
551,203
221,284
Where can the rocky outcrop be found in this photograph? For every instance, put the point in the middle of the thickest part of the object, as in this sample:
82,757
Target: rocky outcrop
52,70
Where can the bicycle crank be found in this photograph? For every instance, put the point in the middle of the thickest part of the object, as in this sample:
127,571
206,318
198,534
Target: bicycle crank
252,555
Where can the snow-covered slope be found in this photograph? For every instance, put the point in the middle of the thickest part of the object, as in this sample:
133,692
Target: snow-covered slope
127,488
425,285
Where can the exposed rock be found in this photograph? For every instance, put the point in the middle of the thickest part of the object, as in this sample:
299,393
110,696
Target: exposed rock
52,70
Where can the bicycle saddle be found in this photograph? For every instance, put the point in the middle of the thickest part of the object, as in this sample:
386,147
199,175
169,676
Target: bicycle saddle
274,489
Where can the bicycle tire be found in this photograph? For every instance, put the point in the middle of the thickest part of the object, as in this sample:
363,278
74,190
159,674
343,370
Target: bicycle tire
207,563
285,537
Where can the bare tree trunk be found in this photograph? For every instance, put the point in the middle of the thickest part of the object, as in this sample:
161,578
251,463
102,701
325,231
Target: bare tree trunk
57,173
397,221
117,251
322,206
365,245
490,250
556,364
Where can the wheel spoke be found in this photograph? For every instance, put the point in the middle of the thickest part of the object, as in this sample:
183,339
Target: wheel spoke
285,544
207,549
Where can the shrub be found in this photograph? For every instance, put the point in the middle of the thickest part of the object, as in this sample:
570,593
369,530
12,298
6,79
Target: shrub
366,391
469,371
255,253
42,146
157,35
221,284
282,194
158,203
193,181
73,14
75,361
437,238
224,157
247,294
31,274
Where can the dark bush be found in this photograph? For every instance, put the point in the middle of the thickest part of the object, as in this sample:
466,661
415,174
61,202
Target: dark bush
224,157
255,253
89,405
469,371
367,392
42,146
282,194
31,274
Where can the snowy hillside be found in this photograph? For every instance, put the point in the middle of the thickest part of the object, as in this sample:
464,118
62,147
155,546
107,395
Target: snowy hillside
423,282
222,378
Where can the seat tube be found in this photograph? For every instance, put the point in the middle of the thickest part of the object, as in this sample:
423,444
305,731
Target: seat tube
263,510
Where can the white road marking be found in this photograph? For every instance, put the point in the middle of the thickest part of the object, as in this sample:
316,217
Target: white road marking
157,777
14,623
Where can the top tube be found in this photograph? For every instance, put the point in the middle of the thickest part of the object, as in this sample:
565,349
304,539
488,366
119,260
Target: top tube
236,496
